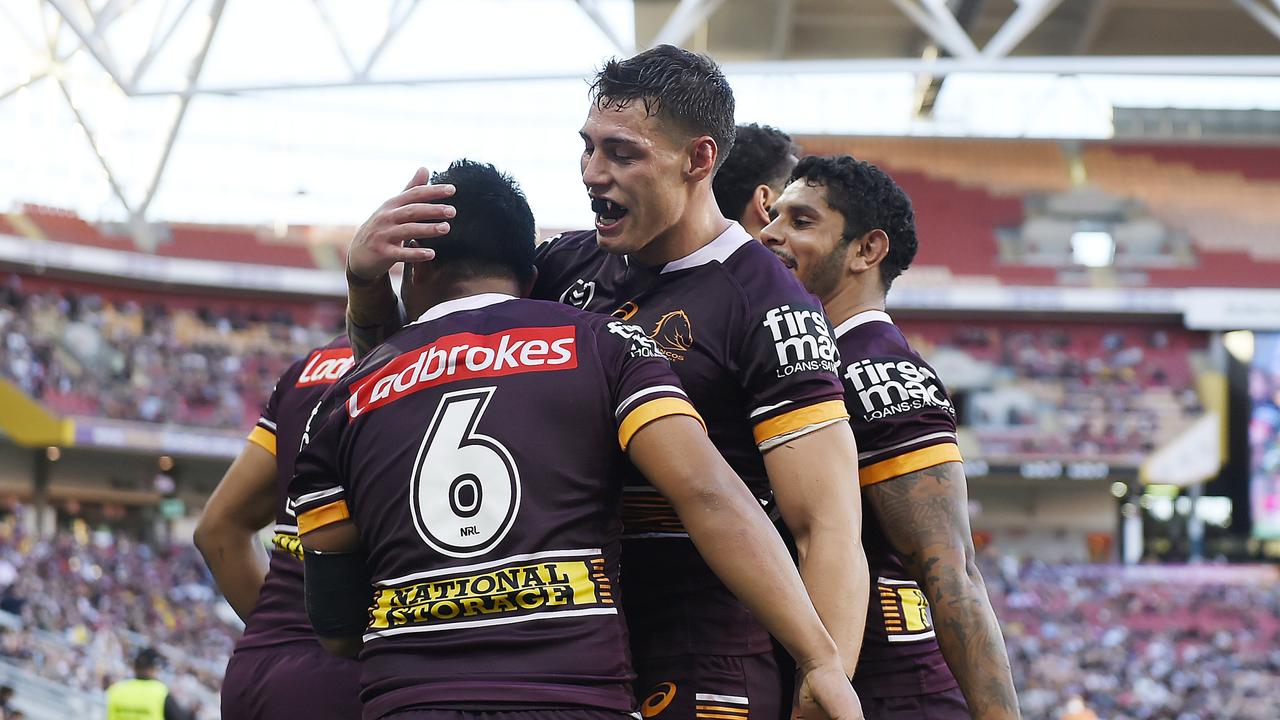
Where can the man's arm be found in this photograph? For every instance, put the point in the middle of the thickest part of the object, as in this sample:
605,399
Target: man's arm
227,533
336,587
741,546
373,313
925,516
815,483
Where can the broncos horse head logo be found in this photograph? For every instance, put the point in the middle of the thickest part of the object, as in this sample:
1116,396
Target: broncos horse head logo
674,334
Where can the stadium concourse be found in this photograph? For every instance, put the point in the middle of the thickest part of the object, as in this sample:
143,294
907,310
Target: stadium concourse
130,373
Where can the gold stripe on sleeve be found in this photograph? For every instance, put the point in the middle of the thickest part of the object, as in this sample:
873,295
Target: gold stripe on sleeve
816,414
648,412
908,463
335,511
263,438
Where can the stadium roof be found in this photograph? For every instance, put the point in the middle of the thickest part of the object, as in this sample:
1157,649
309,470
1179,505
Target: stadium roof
313,111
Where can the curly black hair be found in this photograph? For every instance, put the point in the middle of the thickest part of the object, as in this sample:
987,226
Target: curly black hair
868,199
684,88
493,233
762,155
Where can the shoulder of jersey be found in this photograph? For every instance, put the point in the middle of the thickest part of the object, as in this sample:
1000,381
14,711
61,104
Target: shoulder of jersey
755,265
571,240
339,341
876,338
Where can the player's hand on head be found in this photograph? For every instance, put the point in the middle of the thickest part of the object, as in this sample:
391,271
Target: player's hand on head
825,692
415,213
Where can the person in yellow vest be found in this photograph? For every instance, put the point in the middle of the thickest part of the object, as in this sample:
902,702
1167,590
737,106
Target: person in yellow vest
144,697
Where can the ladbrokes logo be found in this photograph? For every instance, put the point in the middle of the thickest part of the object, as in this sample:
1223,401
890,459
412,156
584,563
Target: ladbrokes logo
802,340
888,386
463,356
325,367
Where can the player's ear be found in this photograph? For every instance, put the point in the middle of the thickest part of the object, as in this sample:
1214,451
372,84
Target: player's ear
702,157
867,251
757,210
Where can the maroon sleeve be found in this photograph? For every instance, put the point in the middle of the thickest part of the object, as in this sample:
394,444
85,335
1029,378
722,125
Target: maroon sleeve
788,360
641,381
316,491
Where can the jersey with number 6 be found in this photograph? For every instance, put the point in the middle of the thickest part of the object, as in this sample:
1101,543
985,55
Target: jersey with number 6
480,453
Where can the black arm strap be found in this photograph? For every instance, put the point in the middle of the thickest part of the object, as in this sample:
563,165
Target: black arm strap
338,592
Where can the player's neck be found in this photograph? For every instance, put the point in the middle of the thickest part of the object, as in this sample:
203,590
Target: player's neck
851,298
441,292
701,223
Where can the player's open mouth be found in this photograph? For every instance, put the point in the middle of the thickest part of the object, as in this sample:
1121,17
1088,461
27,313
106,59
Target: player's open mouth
608,213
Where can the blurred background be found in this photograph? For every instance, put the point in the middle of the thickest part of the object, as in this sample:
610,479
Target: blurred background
1097,186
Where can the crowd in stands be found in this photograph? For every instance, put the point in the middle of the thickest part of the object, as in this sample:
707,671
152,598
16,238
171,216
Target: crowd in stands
1068,391
80,605
1085,641
1109,643
81,354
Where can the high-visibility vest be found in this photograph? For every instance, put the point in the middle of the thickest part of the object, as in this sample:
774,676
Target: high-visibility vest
136,700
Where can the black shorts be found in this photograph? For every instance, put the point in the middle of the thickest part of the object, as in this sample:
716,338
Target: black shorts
546,714
299,680
708,687
944,705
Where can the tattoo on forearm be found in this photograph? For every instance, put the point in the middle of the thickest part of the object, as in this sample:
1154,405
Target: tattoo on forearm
365,338
925,516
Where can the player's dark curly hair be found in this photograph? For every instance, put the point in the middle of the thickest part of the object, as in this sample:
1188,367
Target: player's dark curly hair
683,88
868,199
493,232
762,155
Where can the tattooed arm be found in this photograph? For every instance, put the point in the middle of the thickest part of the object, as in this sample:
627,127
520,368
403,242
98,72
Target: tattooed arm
373,313
925,517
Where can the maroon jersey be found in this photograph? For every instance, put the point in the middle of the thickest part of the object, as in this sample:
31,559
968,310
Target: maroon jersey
757,357
480,453
279,616
904,422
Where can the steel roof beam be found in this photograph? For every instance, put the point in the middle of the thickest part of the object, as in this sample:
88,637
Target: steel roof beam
592,10
940,24
684,20
1265,17
1025,19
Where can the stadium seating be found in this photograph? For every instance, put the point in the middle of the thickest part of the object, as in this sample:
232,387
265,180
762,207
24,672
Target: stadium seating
231,244
150,357
1065,391
1134,644
1189,215
85,602
66,226
1181,215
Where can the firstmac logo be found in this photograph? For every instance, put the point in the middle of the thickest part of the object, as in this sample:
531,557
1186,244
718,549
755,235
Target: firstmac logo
802,340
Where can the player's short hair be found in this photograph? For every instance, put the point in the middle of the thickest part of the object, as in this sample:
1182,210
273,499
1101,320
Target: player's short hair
762,155
868,199
493,233
684,89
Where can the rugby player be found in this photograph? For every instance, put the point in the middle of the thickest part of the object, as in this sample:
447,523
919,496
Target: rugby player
471,469
278,668
847,230
754,175
749,344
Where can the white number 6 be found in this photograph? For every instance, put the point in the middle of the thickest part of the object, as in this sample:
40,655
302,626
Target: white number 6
465,491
